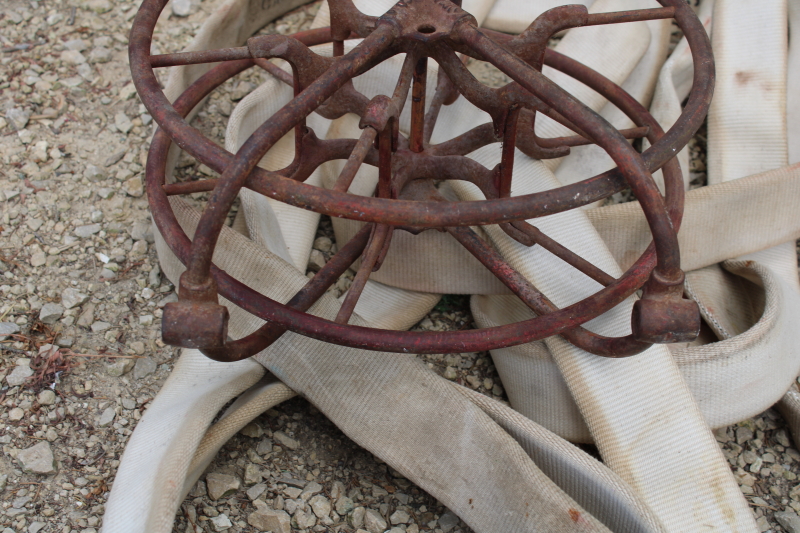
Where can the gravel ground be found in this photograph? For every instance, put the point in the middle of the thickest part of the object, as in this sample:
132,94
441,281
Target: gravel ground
82,295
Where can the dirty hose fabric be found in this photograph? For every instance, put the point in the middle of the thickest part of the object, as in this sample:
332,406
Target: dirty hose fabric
649,415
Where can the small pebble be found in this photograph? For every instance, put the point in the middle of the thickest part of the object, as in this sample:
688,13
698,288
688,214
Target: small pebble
19,375
144,366
46,397
50,313
221,485
7,329
220,522
181,8
38,459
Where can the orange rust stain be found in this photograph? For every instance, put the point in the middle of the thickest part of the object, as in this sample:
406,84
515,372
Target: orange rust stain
575,515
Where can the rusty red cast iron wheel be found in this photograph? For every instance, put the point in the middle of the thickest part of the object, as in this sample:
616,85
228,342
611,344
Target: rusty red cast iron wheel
422,29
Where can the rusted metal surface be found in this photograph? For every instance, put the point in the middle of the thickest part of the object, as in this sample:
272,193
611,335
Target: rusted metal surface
406,198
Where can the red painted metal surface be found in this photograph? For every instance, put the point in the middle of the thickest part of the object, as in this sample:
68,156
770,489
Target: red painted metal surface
406,197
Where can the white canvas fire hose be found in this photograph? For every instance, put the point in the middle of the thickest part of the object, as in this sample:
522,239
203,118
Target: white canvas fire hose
649,415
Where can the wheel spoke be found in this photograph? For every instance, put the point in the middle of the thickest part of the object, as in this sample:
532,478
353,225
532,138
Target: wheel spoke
538,302
563,253
330,272
189,187
203,56
268,333
467,142
443,91
579,140
404,81
417,135
507,158
308,37
275,70
512,279
595,19
381,234
355,160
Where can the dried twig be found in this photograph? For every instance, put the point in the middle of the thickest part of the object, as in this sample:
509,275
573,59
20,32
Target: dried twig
47,367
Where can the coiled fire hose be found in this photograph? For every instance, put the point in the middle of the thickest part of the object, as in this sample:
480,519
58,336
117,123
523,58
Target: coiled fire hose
503,469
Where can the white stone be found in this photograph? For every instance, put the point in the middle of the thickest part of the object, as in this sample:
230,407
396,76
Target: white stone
286,441
122,122
25,137
252,430
252,474
100,54
316,261
19,375
98,6
85,71
50,313
789,521
399,517
323,244
142,230
100,326
139,248
337,490
256,490
320,505
73,57
18,118
37,459
220,522
357,518
87,230
221,485
107,417
35,223
46,397
127,92
181,8
374,522
310,489
94,173
144,367
266,519
6,329
75,44
448,521
38,259
133,187
72,298
344,505
39,152
305,520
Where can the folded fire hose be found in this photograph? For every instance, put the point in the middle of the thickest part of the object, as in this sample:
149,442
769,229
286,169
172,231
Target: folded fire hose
649,415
